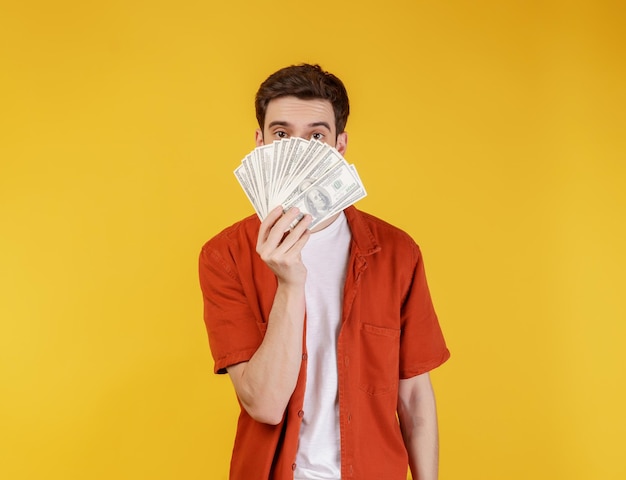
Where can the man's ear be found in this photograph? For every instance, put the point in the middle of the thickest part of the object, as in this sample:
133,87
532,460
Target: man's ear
258,137
342,142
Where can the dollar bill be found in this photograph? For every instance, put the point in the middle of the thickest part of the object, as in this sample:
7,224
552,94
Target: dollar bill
295,172
249,190
334,191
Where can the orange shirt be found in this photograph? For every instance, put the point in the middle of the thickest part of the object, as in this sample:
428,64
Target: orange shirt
389,332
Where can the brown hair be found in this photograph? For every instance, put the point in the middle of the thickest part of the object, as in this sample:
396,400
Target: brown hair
306,82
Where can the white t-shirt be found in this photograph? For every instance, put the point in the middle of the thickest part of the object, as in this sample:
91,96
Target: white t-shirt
326,257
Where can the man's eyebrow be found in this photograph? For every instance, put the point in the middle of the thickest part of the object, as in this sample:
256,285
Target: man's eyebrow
283,123
320,124
280,123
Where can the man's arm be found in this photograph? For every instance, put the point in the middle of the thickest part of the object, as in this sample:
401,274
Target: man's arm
417,413
265,383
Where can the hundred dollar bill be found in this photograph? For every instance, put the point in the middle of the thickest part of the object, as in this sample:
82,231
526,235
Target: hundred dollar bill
296,148
314,151
263,164
243,176
279,146
328,194
324,162
282,173
355,197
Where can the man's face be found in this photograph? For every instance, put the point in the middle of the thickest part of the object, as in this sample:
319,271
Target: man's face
293,117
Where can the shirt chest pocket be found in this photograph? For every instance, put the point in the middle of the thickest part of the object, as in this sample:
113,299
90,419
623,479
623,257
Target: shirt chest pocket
380,349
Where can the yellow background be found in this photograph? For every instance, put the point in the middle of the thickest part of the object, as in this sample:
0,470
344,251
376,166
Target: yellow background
492,131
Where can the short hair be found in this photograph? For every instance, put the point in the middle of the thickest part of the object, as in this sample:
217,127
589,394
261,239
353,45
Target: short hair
306,82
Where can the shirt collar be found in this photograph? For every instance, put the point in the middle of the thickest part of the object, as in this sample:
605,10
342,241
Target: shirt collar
366,242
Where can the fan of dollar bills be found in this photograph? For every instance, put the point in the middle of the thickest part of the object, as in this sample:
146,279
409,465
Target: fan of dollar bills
295,172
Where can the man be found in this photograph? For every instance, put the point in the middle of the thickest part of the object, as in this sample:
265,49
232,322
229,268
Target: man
327,334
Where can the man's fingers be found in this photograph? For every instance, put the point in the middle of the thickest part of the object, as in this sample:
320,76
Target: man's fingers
293,237
268,223
280,247
275,234
276,226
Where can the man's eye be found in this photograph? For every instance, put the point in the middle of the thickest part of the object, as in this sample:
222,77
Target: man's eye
281,134
317,136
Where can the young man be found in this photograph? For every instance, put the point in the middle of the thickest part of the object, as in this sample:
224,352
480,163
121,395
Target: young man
327,334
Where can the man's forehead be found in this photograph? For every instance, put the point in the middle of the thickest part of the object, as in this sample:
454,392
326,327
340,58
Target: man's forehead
292,111
300,108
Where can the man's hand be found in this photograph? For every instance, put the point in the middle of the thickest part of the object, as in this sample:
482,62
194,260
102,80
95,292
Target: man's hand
280,247
265,383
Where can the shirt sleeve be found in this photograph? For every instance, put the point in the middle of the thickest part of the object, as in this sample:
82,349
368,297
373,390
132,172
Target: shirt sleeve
422,345
233,331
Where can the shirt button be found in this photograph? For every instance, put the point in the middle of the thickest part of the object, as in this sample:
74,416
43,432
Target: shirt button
293,466
304,357
349,418
300,414
346,361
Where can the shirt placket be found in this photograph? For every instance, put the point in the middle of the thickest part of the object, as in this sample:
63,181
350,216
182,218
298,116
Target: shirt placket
345,344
